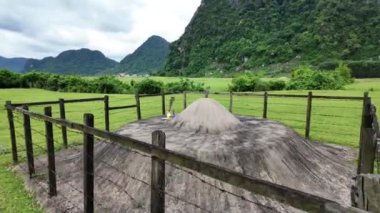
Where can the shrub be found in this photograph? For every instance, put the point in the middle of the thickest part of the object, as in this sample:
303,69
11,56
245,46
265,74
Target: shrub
277,84
9,79
110,84
184,85
244,83
345,72
305,78
248,82
359,69
35,79
365,69
148,86
262,86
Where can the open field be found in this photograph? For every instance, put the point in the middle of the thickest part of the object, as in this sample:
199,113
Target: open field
215,84
332,121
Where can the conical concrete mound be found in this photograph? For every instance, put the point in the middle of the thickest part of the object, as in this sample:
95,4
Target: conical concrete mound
259,148
207,116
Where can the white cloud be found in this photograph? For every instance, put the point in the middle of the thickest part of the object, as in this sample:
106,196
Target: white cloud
42,28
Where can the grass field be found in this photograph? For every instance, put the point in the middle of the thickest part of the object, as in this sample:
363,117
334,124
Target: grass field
332,121
215,84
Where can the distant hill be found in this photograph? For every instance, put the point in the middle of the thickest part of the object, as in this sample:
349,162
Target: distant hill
82,62
150,57
13,64
234,35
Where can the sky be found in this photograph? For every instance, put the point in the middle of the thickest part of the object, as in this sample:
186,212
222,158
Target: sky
41,28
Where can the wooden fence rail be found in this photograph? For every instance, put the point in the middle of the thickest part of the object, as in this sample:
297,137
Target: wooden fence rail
62,113
57,102
309,100
286,195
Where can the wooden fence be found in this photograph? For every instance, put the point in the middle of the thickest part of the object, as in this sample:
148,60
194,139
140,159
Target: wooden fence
62,112
309,100
369,140
159,155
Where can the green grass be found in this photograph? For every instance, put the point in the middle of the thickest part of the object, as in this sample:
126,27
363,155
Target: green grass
215,84
342,127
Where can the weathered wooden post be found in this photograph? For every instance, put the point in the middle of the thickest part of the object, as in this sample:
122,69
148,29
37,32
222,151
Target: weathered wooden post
88,165
206,93
62,113
367,152
28,142
8,106
231,100
138,107
308,115
157,198
265,107
163,104
365,193
184,100
50,152
106,113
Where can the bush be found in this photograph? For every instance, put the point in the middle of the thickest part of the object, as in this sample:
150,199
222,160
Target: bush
184,85
110,84
262,86
148,86
277,84
365,69
305,78
345,72
359,69
244,83
9,79
35,79
248,82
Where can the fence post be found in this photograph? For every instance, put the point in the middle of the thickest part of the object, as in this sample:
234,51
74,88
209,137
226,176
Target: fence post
62,113
157,202
308,115
265,108
12,131
184,100
206,93
28,142
367,150
138,107
106,113
163,104
51,155
231,100
88,165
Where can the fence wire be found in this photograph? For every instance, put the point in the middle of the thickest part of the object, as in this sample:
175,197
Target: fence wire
152,111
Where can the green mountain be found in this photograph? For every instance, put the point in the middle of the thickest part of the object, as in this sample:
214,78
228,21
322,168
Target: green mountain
150,57
82,62
234,35
13,64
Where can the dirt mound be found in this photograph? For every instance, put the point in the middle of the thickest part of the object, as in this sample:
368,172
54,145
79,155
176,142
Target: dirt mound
259,148
206,115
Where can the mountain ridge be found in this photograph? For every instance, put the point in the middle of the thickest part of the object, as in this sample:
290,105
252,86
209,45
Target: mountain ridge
81,61
14,64
228,36
148,58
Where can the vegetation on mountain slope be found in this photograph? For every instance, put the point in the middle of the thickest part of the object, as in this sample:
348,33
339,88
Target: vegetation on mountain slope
149,58
14,64
81,62
226,36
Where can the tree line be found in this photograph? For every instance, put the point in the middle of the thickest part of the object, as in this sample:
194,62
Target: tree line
104,84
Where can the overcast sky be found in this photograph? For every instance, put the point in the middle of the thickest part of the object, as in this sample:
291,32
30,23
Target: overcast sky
40,28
